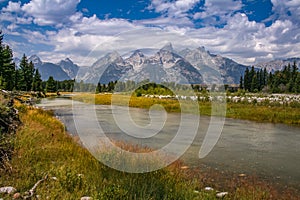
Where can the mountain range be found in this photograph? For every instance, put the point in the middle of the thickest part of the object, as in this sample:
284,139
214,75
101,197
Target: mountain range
163,65
275,65
64,70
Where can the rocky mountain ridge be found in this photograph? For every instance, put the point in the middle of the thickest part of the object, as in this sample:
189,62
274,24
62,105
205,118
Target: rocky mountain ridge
163,65
166,65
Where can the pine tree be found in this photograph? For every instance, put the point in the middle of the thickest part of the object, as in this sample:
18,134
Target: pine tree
297,84
265,77
37,82
294,71
247,80
254,83
251,73
241,83
8,69
26,74
288,73
98,88
17,80
51,85
261,79
110,86
258,81
1,51
290,85
270,79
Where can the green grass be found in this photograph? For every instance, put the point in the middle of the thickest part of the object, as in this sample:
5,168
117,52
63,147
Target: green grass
264,113
43,148
247,111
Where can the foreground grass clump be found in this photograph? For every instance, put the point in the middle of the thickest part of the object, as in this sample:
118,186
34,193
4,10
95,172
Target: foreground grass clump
261,113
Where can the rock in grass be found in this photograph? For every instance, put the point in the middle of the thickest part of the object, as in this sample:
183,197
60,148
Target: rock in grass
86,198
221,194
17,196
209,189
8,190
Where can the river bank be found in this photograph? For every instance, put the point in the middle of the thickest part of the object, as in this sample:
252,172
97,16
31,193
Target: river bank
44,151
260,161
267,112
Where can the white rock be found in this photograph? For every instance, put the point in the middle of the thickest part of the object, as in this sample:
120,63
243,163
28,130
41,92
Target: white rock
208,189
221,194
86,198
8,190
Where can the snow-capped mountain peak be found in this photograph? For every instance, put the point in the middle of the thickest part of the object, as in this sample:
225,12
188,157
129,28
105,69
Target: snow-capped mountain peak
35,60
137,59
168,47
167,58
69,67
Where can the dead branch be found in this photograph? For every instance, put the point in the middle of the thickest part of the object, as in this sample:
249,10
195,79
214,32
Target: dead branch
32,190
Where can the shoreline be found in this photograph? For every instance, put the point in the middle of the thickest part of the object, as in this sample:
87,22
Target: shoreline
241,111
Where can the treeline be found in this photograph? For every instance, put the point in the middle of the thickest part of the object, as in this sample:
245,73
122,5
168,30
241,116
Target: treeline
143,87
281,81
25,77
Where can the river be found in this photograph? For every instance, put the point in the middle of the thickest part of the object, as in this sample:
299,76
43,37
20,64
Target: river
270,151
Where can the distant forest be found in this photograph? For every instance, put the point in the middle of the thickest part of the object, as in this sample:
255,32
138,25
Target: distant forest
26,78
281,81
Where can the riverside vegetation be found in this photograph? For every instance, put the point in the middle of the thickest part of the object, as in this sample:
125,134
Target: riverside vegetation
44,151
274,112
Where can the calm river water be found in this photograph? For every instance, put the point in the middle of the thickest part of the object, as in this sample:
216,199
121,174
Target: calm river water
270,151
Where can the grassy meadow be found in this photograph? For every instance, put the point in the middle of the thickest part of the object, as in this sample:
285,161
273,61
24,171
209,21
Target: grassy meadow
44,151
240,110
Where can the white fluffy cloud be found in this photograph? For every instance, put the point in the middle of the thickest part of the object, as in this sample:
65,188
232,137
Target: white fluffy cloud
50,12
178,6
250,42
173,11
12,7
13,13
287,10
243,40
218,11
95,26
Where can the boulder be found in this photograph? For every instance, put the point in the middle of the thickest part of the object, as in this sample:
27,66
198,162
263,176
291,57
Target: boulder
221,194
8,190
86,198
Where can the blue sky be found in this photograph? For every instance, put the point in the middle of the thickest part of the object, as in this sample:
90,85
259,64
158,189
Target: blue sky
247,31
